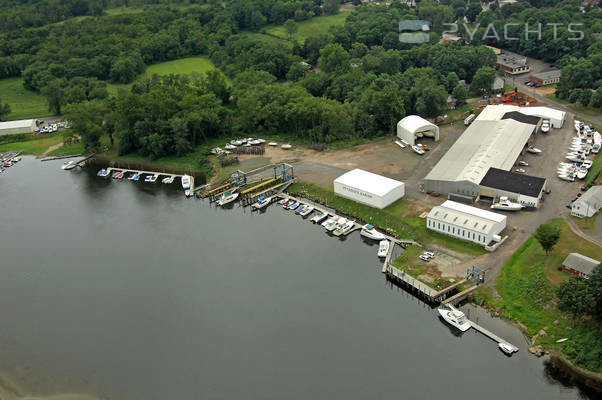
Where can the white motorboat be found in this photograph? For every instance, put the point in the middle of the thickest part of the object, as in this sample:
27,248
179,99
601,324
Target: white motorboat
186,181
568,178
582,173
520,170
339,223
167,180
68,165
534,150
383,248
345,228
281,202
227,198
319,217
523,163
545,126
587,164
397,142
153,178
576,158
370,232
272,144
506,205
255,142
260,140
235,142
286,146
262,202
229,147
16,159
330,224
306,211
417,150
506,348
454,317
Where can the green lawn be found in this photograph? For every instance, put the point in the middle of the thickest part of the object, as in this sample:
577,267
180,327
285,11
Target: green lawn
182,66
261,37
311,27
594,112
527,285
398,219
33,146
68,149
24,103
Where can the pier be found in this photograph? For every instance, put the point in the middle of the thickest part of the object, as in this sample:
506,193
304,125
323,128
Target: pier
493,336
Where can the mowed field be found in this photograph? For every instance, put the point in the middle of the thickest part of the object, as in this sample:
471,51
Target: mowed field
24,103
182,66
311,27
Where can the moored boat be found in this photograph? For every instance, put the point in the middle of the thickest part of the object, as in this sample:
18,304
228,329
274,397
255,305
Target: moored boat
306,210
227,197
67,165
319,217
186,181
330,223
370,232
383,248
454,317
286,146
262,202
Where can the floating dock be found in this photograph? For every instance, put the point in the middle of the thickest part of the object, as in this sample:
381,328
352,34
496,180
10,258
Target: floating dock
493,336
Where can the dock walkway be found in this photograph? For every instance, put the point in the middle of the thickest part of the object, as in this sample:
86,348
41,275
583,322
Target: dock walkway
492,335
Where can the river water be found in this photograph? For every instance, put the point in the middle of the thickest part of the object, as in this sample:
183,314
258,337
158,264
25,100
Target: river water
126,290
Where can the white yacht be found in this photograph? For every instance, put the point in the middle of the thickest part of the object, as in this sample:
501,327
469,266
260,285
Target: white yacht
506,205
330,223
534,150
370,232
345,228
68,165
587,164
417,150
227,197
383,248
186,181
454,317
506,348
262,202
319,217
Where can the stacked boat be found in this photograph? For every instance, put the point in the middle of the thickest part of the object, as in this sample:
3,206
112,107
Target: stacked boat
587,141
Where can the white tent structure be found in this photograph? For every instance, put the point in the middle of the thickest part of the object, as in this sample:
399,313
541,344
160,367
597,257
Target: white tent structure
367,188
556,117
20,126
414,126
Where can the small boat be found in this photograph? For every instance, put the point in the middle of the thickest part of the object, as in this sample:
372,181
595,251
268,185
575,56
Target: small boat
330,223
534,150
66,165
102,172
575,157
7,164
582,173
562,340
294,206
506,205
287,203
306,210
520,170
417,150
187,193
115,174
227,197
523,163
348,227
186,181
506,348
397,142
319,217
132,176
16,159
148,178
229,147
120,175
587,164
286,146
545,126
383,248
235,142
255,142
370,232
299,209
272,144
262,202
568,178
260,140
167,180
454,317
281,202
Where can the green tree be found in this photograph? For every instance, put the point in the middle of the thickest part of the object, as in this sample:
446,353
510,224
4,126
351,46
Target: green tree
585,97
596,100
431,100
331,7
290,27
333,57
483,80
575,297
54,92
547,235
595,287
460,93
86,120
4,110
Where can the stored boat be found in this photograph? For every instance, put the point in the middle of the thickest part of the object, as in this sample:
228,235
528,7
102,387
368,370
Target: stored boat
523,163
229,147
186,181
286,146
568,178
534,150
227,197
344,228
587,164
383,248
370,232
506,205
520,170
272,144
582,173
319,217
454,317
417,150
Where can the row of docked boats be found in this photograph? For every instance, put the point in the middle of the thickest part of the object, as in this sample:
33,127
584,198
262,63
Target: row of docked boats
245,142
9,161
587,141
136,176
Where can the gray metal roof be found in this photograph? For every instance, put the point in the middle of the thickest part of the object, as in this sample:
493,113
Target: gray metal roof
581,263
555,73
512,61
484,144
592,198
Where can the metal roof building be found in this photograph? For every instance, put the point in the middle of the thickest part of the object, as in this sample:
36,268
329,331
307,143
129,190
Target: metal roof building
483,145
20,126
466,222
414,126
521,188
556,117
588,204
580,265
367,188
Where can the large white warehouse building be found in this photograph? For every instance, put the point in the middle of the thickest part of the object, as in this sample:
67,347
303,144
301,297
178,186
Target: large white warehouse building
20,126
367,188
466,222
414,126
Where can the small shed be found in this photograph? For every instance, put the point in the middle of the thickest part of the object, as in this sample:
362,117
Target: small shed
19,126
414,126
580,265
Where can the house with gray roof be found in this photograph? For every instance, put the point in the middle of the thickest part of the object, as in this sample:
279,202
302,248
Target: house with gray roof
588,204
580,265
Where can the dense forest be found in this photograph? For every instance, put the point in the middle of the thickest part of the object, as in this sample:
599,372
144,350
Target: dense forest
356,80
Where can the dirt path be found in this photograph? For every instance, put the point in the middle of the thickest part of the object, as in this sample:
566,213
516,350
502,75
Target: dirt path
52,148
576,230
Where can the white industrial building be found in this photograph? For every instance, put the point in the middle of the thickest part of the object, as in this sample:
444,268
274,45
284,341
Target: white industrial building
588,204
413,126
20,126
466,222
496,112
367,188
520,188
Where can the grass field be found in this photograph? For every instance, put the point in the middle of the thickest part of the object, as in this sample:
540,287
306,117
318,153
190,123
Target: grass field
68,149
527,286
33,146
311,27
182,66
398,219
24,103
594,112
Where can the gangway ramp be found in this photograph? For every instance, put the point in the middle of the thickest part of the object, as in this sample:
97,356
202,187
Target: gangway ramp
252,189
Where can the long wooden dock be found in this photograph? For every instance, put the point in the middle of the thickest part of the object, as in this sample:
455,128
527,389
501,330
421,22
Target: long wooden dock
492,335
459,296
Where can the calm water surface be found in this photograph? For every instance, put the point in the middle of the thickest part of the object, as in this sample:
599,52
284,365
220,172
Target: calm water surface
131,291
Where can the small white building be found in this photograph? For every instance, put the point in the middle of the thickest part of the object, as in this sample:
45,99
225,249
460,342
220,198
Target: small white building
367,188
466,222
588,204
414,126
20,126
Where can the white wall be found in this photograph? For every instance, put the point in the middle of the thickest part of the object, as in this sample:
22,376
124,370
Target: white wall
581,209
461,232
367,198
